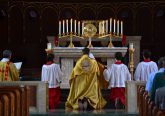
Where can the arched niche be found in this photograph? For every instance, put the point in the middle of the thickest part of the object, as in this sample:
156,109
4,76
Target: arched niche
49,23
3,26
144,24
159,24
68,13
15,25
105,13
126,15
86,13
32,25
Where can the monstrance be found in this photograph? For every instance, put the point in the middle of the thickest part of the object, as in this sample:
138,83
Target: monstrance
89,31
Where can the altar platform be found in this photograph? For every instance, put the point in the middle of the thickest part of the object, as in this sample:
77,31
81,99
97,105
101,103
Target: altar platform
105,112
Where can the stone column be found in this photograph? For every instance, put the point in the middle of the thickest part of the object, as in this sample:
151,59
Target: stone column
66,67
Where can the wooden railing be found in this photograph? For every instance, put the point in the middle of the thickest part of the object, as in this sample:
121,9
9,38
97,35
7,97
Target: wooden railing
146,106
14,101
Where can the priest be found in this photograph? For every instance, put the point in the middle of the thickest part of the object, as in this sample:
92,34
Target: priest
8,71
84,85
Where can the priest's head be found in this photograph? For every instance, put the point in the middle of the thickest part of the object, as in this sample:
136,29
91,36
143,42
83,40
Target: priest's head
7,54
85,51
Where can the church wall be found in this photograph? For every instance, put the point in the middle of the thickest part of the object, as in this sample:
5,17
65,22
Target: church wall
24,25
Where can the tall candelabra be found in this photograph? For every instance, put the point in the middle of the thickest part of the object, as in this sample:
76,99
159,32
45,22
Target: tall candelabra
73,28
131,61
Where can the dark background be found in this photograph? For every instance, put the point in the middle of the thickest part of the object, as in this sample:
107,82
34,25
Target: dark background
25,24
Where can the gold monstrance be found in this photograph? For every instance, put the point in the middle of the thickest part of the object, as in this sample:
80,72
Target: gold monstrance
89,31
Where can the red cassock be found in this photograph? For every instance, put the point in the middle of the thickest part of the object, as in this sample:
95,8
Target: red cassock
54,97
117,92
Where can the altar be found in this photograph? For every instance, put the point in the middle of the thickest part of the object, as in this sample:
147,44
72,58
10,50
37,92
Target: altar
67,58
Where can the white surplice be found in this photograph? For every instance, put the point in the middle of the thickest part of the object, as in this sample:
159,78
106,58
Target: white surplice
117,74
52,73
144,69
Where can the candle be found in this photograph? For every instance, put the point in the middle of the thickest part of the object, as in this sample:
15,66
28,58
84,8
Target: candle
75,26
118,27
49,46
78,27
82,28
131,46
70,25
59,27
63,24
103,26
67,26
121,27
106,26
114,26
110,28
99,28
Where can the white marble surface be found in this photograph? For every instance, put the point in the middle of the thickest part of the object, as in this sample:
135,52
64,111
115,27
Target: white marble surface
68,57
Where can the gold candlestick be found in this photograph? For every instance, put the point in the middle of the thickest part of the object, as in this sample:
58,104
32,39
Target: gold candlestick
71,45
110,41
131,61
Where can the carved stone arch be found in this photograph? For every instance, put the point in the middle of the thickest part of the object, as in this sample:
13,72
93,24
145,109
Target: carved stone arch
105,12
159,22
49,6
87,13
144,23
68,12
31,25
15,22
3,26
49,23
126,15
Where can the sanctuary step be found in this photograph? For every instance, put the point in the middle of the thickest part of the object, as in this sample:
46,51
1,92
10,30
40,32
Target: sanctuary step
65,93
87,113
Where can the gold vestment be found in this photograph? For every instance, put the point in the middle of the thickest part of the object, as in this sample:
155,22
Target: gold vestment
84,83
8,72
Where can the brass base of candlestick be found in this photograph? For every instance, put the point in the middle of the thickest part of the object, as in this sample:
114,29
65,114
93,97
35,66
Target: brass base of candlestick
71,45
90,46
90,43
110,45
131,62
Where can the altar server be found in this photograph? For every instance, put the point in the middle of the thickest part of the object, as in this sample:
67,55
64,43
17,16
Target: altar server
145,67
117,74
52,73
84,85
8,71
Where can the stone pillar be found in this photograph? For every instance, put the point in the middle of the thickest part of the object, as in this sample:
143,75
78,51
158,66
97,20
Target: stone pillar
66,67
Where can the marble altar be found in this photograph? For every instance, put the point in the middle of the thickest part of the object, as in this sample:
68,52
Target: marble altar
68,56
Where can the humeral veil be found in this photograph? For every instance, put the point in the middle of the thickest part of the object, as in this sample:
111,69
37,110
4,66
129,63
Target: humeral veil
84,83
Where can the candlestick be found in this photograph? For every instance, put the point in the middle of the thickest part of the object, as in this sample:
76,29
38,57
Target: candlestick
117,27
63,24
67,26
103,27
75,26
106,26
131,46
110,28
70,25
79,28
121,27
82,28
59,27
114,26
49,46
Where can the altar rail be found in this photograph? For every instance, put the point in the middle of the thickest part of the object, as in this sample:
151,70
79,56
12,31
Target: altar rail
14,100
38,94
